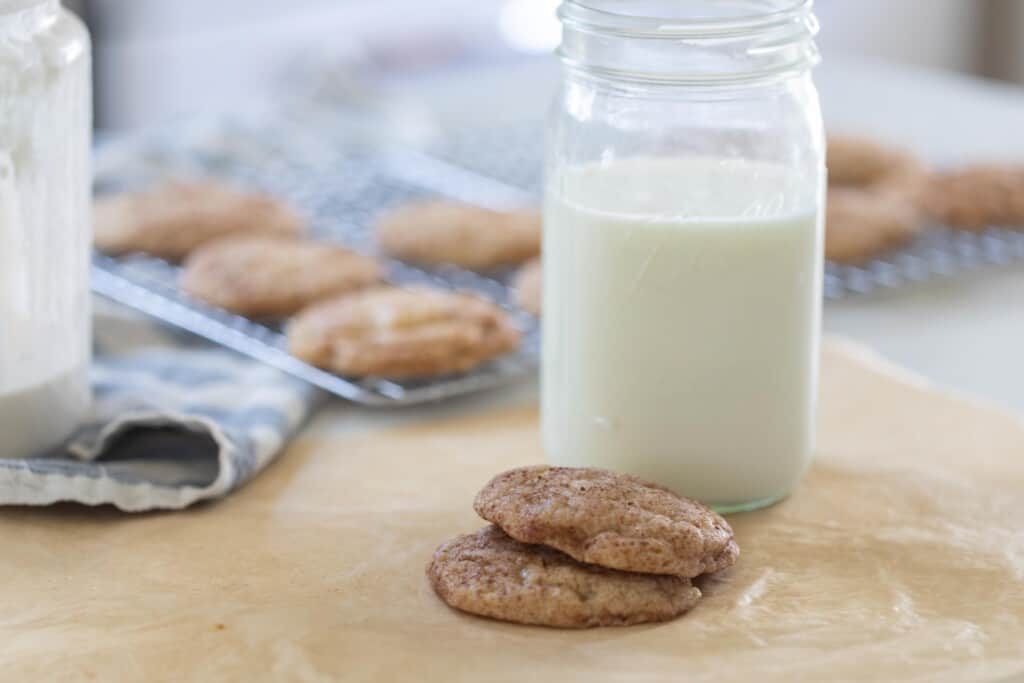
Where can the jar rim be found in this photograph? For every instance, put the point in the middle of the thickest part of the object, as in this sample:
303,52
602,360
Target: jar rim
723,43
587,14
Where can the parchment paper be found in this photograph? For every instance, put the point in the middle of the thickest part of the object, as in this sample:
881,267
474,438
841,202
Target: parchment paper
901,558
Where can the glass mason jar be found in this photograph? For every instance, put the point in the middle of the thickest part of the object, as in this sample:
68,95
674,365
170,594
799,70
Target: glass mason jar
45,199
683,245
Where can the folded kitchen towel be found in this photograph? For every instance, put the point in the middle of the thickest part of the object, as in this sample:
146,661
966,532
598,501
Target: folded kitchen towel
174,421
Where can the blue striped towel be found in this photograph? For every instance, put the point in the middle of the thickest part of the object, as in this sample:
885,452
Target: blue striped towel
175,421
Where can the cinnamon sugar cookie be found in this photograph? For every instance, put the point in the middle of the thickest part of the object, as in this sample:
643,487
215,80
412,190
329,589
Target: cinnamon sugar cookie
609,519
401,333
860,225
874,200
437,233
979,197
492,575
273,276
529,287
876,168
170,221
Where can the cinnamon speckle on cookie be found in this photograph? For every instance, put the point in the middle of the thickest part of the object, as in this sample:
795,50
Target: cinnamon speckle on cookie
609,519
490,574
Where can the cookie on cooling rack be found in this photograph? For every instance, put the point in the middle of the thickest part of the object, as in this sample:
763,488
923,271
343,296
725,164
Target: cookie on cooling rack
266,276
529,287
860,226
609,519
172,220
979,197
490,574
402,333
874,200
439,233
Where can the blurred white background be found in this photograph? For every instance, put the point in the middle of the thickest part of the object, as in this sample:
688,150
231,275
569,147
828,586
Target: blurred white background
156,58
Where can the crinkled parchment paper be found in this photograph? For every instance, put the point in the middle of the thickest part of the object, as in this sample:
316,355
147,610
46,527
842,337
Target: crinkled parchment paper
901,558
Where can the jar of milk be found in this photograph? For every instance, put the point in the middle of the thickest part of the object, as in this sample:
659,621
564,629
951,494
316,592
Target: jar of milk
45,124
683,245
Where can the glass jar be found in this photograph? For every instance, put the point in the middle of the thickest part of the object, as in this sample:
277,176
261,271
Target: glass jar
683,245
45,195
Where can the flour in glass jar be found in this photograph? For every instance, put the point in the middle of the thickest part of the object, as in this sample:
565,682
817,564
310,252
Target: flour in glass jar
45,125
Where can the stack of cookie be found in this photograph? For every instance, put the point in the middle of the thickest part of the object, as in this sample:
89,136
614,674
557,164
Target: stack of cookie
581,547
245,253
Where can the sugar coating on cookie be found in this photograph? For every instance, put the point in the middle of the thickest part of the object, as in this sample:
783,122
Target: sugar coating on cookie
529,288
172,220
438,233
609,519
402,333
979,197
273,276
489,574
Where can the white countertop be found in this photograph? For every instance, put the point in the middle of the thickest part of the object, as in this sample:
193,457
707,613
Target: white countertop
965,333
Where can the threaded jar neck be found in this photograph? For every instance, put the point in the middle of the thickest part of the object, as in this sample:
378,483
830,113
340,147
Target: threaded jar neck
697,42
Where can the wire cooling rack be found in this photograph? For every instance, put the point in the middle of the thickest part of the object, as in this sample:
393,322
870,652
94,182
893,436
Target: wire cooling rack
340,191
341,187
513,155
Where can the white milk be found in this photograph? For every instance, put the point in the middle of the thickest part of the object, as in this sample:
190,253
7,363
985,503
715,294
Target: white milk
681,324
38,416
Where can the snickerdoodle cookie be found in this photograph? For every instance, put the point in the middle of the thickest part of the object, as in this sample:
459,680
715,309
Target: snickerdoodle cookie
401,333
610,519
438,233
492,575
874,201
172,220
979,197
860,227
272,276
529,287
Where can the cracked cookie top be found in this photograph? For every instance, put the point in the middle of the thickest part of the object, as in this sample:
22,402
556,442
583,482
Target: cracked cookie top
609,519
492,575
